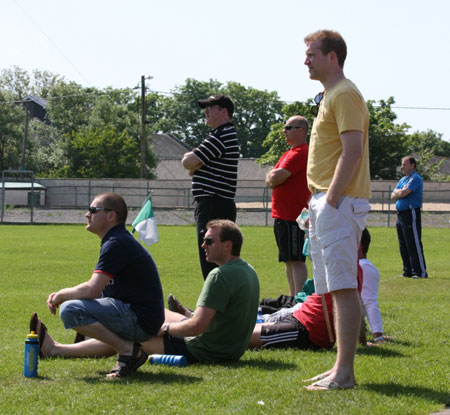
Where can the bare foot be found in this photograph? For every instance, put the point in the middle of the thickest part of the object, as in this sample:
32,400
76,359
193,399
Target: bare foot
48,345
319,377
326,385
331,382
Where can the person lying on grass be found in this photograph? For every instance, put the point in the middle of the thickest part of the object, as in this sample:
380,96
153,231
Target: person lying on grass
122,304
223,321
274,308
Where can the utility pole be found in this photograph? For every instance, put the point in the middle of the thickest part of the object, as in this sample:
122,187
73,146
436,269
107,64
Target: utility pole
143,128
24,140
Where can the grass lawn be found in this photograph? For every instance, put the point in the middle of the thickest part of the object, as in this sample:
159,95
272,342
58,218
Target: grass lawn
411,375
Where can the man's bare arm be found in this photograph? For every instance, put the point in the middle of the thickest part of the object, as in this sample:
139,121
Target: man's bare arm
352,148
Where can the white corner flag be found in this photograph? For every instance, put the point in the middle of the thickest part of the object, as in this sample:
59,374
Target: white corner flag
145,224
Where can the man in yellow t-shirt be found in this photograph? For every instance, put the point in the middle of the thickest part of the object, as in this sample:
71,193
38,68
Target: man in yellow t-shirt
339,179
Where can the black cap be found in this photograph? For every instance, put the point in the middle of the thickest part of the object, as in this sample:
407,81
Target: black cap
217,99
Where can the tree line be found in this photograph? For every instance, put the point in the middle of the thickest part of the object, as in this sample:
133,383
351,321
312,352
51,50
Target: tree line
91,132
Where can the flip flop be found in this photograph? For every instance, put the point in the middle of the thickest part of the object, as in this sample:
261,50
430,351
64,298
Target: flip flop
325,385
177,307
33,322
316,378
130,363
40,331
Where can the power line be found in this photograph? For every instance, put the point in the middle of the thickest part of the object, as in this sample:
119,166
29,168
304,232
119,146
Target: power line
422,108
51,41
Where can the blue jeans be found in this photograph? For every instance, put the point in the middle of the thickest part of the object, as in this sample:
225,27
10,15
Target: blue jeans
112,313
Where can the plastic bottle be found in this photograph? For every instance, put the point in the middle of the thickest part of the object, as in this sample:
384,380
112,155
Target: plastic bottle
30,363
167,359
260,317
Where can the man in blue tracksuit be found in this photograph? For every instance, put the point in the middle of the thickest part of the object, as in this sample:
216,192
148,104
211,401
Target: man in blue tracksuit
408,201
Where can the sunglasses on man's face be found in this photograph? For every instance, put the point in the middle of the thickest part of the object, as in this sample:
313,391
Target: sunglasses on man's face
290,127
208,241
94,209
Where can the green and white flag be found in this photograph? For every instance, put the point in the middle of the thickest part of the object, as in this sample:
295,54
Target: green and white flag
145,224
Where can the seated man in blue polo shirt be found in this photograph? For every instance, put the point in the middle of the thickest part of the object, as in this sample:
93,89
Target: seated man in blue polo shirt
121,305
222,323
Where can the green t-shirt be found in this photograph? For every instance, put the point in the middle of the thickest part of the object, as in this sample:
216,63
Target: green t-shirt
233,291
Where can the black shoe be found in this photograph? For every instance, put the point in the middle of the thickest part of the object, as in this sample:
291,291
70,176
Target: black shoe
406,275
177,307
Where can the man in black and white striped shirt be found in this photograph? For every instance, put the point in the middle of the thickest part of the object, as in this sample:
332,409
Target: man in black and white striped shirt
213,166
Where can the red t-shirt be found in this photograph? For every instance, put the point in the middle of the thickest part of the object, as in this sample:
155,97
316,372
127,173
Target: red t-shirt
312,316
290,197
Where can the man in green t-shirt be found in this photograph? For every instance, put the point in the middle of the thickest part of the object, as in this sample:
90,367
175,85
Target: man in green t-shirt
220,327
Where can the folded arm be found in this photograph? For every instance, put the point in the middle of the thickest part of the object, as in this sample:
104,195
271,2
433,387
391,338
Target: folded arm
275,177
191,162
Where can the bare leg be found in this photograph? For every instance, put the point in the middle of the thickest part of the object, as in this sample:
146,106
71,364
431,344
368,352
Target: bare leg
100,332
296,272
88,348
255,339
348,320
172,316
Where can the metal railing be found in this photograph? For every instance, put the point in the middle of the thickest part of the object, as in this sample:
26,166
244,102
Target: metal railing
177,195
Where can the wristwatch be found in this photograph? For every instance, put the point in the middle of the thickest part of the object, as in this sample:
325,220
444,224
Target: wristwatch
165,328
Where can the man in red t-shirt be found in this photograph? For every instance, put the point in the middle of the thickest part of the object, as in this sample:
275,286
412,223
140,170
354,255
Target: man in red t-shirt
310,326
290,195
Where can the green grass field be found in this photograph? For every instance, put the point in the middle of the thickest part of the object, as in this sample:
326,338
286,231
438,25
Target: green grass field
411,375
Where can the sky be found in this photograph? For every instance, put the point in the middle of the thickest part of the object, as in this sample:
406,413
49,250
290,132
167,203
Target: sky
397,48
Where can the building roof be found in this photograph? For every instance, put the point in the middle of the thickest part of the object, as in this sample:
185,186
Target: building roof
22,186
167,146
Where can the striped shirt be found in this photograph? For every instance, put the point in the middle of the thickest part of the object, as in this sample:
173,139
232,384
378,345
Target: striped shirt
219,154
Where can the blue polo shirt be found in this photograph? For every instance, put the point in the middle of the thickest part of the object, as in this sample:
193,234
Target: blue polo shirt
414,200
134,277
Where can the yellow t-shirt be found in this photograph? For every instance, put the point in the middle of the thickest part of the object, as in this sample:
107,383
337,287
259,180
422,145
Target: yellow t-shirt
342,109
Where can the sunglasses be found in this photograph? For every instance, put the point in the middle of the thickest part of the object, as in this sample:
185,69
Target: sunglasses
94,209
317,99
290,127
208,241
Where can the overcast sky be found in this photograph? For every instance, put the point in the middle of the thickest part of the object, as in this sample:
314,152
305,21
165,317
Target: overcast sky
396,48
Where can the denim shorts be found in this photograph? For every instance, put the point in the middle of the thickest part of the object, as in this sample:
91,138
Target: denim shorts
112,313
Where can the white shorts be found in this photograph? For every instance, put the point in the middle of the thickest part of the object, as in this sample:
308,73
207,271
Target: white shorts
335,235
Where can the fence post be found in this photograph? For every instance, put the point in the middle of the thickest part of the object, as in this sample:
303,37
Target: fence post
389,206
266,203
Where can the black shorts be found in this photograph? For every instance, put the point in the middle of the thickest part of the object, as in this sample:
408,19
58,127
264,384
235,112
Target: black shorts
288,332
177,345
289,239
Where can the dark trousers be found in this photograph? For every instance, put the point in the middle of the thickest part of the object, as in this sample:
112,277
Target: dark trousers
272,305
409,232
206,209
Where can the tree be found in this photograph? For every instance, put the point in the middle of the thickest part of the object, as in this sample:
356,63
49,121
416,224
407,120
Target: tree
69,106
430,140
255,112
46,150
81,113
104,153
12,118
387,140
181,114
20,83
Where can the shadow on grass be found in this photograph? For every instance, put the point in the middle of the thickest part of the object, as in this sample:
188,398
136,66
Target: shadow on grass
378,351
394,389
146,377
264,364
